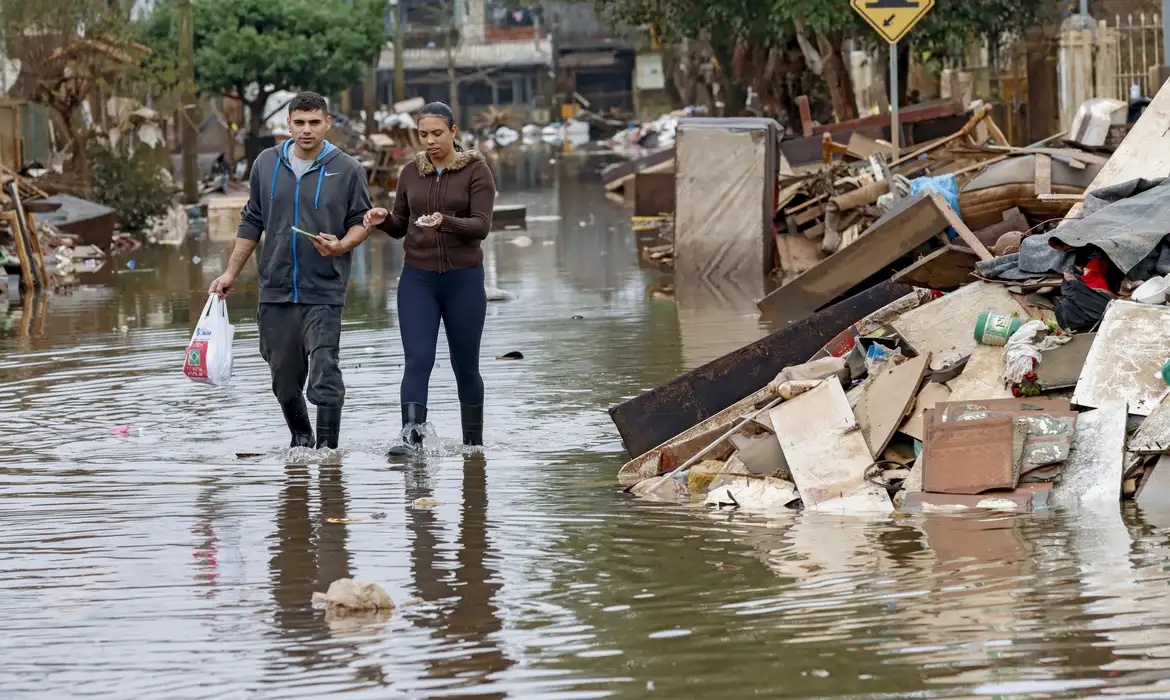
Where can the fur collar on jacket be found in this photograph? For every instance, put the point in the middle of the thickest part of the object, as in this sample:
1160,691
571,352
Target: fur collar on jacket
464,159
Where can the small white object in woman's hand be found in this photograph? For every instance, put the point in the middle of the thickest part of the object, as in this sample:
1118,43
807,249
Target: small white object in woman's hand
429,220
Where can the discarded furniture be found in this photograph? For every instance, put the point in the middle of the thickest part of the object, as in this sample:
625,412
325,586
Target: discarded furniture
92,223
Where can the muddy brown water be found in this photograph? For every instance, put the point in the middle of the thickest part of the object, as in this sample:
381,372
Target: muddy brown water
157,565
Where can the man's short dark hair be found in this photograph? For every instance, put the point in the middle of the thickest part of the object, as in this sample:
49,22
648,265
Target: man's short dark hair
307,102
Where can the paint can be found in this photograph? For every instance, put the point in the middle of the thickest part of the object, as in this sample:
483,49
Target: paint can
995,329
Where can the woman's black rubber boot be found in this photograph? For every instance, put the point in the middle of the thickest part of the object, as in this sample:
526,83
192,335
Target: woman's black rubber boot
328,426
296,415
472,418
412,414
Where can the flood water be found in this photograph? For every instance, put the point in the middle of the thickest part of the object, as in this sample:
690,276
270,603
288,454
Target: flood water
158,565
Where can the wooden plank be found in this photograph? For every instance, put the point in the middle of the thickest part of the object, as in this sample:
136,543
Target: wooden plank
806,122
37,253
1155,493
22,254
932,393
945,269
862,147
1125,362
964,233
946,327
886,401
897,233
827,453
907,115
1043,174
797,254
1095,466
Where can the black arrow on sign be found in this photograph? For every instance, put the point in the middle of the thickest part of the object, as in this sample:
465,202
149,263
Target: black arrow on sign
888,21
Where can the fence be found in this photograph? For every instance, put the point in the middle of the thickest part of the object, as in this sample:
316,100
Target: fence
1139,47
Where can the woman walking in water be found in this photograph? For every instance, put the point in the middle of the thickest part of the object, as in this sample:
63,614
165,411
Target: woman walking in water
443,208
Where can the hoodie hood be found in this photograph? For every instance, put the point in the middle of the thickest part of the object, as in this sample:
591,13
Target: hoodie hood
464,159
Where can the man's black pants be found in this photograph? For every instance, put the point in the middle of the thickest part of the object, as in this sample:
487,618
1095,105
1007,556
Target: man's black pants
300,342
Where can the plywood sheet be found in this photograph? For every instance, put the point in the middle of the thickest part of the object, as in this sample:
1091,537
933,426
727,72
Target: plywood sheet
827,453
1155,493
946,327
887,400
1125,363
1093,472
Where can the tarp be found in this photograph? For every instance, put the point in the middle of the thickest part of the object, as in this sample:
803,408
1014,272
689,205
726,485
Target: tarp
1125,221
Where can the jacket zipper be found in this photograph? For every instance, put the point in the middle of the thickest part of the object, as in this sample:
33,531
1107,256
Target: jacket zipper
439,238
297,222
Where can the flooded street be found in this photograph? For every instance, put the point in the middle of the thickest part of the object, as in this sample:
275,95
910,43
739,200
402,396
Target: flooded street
157,564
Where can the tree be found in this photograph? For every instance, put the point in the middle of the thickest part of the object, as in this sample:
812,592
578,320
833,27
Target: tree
252,48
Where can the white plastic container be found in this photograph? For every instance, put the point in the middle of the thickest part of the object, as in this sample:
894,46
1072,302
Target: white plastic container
1152,291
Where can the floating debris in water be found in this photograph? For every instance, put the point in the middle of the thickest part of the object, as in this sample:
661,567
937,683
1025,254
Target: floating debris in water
347,595
521,241
514,355
425,503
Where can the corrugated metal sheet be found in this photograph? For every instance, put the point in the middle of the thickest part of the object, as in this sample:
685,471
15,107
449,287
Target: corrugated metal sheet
503,53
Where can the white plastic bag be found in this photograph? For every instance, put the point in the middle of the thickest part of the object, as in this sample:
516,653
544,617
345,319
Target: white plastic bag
209,356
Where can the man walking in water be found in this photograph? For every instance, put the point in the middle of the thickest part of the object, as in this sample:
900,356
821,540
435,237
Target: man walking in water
303,193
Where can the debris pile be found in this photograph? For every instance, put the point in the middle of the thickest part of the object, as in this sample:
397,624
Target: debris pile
962,379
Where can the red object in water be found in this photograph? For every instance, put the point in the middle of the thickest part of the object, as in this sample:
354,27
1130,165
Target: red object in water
120,430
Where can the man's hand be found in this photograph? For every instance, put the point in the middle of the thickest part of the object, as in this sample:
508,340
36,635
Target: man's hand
328,245
222,285
374,217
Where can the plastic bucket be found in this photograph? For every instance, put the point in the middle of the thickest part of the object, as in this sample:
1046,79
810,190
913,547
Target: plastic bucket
995,329
1152,291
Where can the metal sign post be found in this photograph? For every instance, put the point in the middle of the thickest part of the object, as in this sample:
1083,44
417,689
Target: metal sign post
892,19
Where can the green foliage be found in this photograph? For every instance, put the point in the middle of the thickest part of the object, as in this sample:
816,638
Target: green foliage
129,183
325,45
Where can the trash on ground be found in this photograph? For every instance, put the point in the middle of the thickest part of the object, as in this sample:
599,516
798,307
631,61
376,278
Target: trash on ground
349,596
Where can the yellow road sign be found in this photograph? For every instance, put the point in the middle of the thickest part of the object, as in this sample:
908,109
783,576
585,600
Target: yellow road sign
892,18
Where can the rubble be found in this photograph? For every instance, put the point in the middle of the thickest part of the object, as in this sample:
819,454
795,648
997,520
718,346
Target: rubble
1016,382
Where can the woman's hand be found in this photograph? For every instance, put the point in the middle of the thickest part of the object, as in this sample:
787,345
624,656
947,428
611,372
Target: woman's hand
434,222
374,217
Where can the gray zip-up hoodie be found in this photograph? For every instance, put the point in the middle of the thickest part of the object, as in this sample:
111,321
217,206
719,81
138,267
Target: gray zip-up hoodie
331,197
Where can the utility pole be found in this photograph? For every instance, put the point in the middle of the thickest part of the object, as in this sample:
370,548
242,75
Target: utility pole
399,45
1163,72
186,26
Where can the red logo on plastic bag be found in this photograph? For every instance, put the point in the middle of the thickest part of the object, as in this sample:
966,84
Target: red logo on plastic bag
195,366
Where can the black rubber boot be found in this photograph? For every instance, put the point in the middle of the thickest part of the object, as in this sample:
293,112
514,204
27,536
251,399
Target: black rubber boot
412,414
472,418
296,415
328,426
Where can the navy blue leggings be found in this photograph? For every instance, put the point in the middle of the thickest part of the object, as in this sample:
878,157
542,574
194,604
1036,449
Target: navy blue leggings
456,297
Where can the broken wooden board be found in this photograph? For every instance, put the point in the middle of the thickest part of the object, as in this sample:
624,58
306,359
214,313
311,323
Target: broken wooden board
1060,367
887,400
1093,472
945,269
1043,174
982,377
1125,363
656,416
1153,437
827,453
895,234
862,147
946,327
649,464
932,393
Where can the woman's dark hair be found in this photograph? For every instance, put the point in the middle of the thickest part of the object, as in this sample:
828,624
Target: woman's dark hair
438,109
